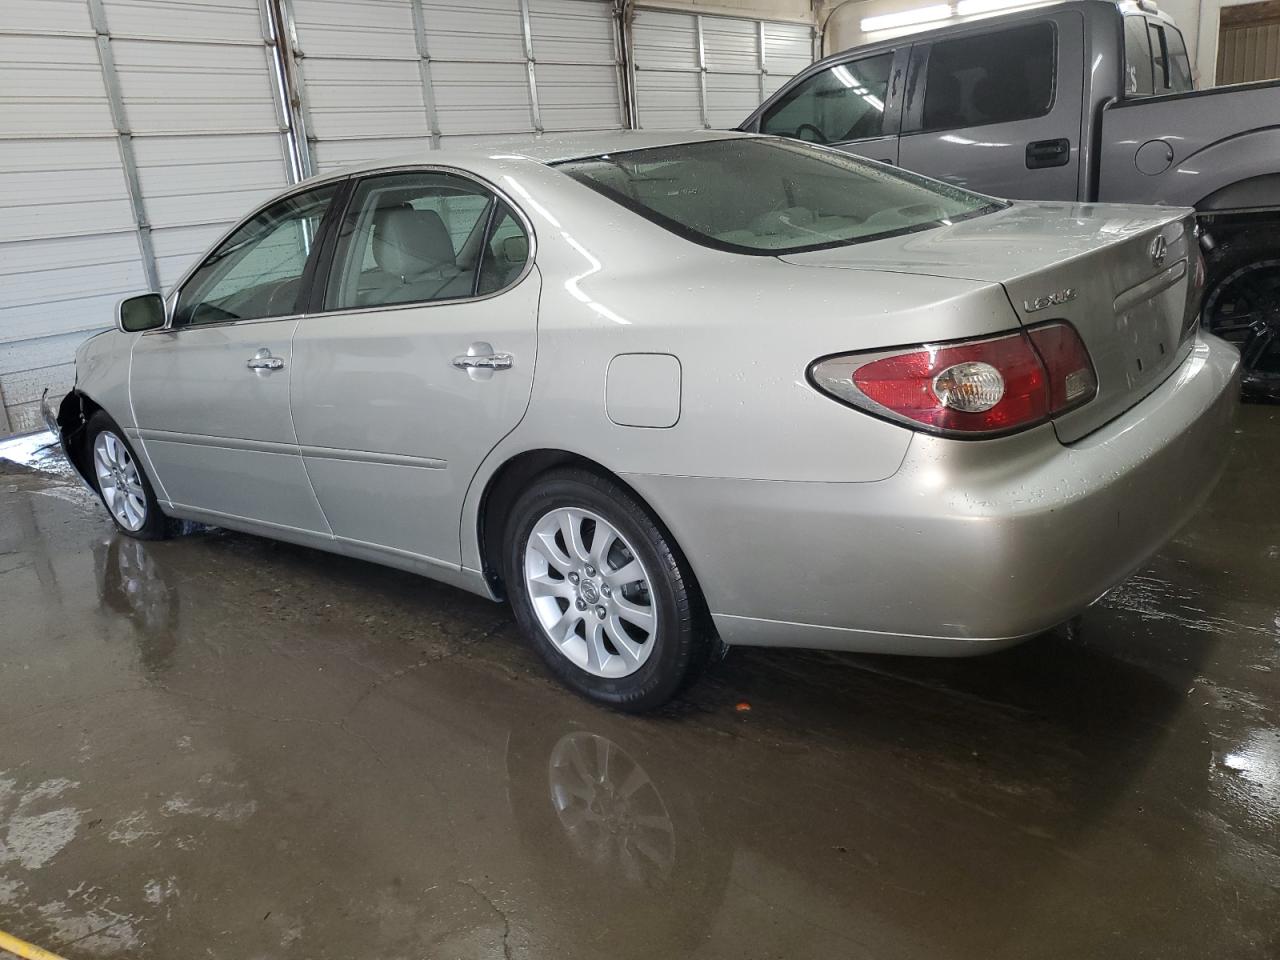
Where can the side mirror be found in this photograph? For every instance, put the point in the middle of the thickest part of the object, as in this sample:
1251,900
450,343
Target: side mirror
143,312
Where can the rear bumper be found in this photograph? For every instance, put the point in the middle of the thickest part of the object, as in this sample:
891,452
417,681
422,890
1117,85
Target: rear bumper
971,546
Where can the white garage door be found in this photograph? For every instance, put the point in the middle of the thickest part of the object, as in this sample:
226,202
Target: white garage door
387,77
695,70
100,199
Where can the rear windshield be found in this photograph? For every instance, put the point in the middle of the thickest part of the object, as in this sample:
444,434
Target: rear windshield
771,196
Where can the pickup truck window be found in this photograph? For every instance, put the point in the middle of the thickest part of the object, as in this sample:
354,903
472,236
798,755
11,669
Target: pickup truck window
842,103
1137,58
1170,64
994,77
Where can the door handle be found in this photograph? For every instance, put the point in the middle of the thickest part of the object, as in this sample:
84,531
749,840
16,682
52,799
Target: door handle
480,361
263,360
494,361
1048,153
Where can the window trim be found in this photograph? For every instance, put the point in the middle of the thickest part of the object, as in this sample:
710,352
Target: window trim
892,103
308,272
315,302
918,77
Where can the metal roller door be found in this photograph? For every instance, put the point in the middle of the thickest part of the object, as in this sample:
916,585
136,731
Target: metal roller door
385,77
697,70
134,131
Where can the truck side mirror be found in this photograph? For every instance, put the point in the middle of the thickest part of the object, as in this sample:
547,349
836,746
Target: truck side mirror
142,312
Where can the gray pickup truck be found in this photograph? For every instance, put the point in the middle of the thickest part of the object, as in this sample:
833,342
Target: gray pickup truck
1087,101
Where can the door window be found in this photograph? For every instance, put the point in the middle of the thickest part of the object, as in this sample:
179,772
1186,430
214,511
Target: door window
990,78
1170,66
421,237
842,103
1138,80
257,271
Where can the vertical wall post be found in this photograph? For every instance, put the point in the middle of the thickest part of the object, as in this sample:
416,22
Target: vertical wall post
764,61
535,108
294,150
289,53
124,140
702,73
424,72
625,13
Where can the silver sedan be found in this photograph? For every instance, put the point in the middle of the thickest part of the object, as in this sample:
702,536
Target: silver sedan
670,392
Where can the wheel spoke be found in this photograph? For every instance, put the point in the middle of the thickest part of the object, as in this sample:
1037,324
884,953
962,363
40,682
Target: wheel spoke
630,572
545,544
571,530
562,629
544,585
642,617
601,542
626,647
596,653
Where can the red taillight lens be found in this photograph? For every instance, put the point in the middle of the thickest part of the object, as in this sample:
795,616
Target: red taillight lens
985,387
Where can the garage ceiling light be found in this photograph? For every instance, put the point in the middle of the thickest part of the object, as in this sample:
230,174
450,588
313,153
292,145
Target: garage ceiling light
967,8
906,18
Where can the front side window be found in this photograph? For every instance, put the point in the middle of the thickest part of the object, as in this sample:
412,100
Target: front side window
1138,80
257,271
770,196
990,78
420,237
842,103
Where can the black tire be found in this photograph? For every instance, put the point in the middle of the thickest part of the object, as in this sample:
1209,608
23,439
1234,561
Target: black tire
682,644
1242,305
156,525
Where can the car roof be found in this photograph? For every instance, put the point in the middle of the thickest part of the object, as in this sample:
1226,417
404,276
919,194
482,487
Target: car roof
547,148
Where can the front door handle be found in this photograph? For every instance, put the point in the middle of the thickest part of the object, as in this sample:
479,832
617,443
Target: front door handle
263,360
1048,153
480,361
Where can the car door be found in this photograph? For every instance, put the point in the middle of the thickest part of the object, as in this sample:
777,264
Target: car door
998,111
854,105
419,361
210,391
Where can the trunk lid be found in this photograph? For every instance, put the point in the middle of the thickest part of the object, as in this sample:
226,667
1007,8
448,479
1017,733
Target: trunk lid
1121,275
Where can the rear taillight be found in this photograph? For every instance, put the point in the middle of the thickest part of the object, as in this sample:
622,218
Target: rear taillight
973,388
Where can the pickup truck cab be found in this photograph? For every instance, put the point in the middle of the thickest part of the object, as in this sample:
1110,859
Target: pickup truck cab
1087,100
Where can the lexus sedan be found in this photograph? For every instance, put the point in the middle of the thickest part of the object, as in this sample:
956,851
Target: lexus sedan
670,392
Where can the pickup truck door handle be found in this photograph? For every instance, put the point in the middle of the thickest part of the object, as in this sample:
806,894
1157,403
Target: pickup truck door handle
263,360
1048,153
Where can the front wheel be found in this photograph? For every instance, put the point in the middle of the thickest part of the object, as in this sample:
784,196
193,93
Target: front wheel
602,593
125,490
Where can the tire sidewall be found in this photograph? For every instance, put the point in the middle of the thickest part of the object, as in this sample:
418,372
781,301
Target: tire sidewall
156,527
661,675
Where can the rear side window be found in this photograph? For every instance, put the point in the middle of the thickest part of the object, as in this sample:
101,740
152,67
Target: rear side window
991,78
842,103
1170,66
1137,58
421,237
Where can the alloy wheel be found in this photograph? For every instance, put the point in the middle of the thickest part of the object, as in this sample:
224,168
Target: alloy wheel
119,481
590,592
1244,308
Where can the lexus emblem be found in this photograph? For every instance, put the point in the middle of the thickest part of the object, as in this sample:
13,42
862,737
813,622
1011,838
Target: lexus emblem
1159,250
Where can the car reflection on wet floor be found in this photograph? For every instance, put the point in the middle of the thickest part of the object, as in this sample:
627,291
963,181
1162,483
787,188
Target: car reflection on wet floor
225,747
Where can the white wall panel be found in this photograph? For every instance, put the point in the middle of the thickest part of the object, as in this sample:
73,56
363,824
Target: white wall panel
745,60
199,115
367,92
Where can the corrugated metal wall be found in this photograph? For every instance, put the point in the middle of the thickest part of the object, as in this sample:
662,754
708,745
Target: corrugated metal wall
696,70
383,77
133,132
1249,52
101,198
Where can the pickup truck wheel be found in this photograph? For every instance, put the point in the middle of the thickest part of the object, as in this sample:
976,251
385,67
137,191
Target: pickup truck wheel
1243,306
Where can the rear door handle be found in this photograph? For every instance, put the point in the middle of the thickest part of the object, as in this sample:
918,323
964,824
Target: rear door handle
263,360
1048,153
480,361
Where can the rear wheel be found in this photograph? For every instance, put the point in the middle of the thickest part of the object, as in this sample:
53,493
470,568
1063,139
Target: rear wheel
602,593
1243,307
118,476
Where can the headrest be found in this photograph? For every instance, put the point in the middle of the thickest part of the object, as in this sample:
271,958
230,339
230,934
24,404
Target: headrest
515,250
408,242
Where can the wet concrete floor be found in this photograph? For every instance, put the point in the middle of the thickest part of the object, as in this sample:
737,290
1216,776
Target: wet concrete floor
221,747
